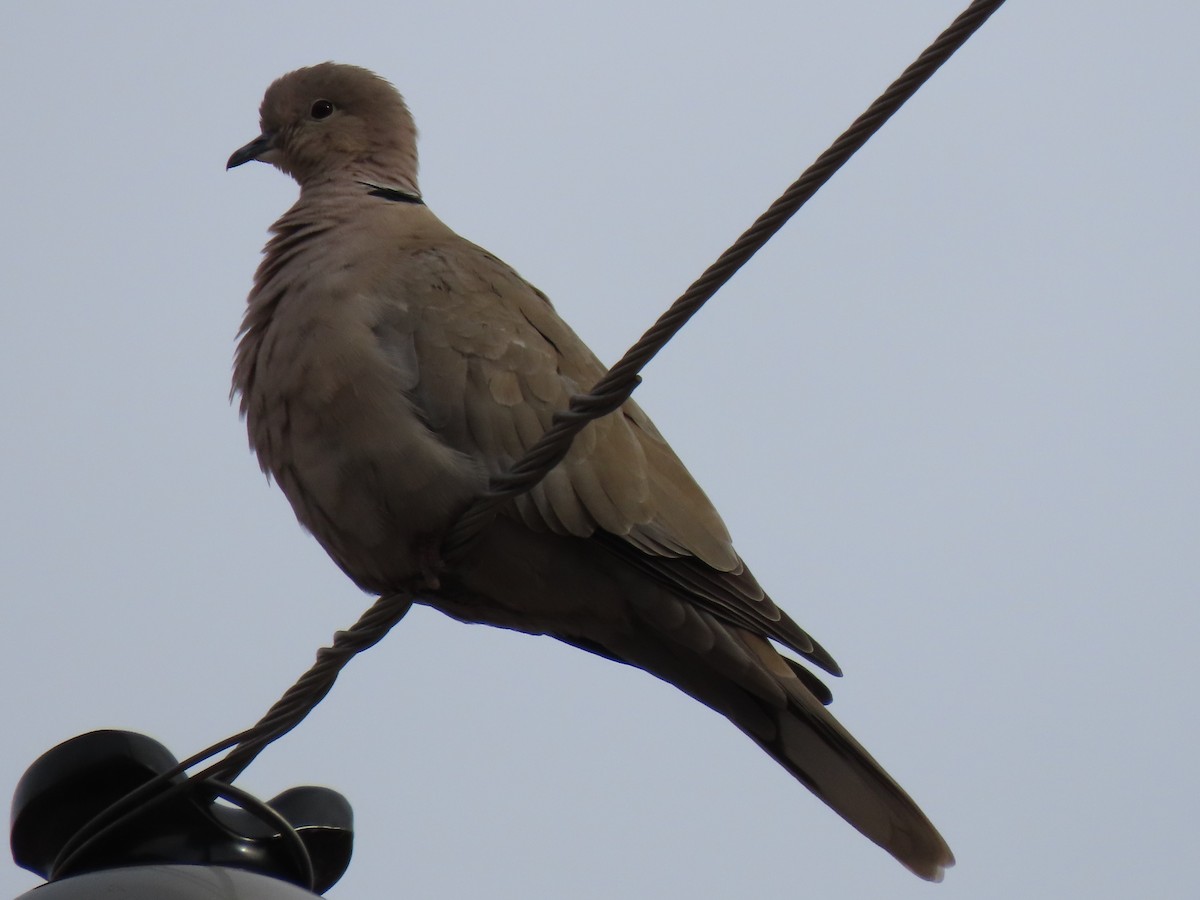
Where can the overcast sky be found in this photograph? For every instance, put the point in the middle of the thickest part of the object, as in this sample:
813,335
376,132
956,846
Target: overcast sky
949,415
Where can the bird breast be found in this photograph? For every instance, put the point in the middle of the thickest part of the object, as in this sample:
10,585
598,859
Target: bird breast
326,394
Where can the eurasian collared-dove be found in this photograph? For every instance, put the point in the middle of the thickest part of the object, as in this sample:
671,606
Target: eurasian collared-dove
387,367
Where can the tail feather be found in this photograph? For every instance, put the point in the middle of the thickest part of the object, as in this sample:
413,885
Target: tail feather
812,745
742,676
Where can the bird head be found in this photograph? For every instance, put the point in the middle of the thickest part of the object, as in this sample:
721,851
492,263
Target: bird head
331,119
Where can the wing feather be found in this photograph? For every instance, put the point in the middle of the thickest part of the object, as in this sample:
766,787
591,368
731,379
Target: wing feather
496,362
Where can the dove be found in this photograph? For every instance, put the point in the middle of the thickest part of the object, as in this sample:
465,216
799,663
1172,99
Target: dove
386,368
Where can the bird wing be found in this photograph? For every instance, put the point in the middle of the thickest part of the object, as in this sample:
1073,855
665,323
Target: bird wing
495,362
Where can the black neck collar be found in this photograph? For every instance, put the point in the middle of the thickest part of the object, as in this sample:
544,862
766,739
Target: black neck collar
393,194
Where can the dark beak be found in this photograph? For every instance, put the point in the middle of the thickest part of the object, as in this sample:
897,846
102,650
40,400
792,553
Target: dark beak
252,150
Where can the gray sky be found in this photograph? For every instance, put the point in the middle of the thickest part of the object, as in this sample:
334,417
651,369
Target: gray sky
948,414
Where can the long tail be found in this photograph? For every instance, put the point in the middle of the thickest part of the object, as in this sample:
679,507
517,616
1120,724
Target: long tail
744,678
812,745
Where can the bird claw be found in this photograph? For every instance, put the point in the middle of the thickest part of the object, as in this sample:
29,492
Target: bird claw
429,560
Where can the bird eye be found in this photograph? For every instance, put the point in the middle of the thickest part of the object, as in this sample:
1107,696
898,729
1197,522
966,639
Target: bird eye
322,109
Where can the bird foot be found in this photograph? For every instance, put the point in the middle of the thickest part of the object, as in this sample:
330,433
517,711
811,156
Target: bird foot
429,560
